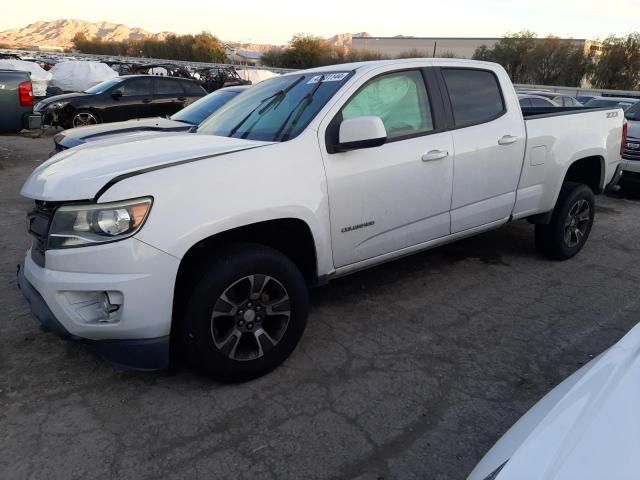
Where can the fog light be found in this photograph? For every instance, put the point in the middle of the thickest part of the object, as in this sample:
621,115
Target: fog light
105,303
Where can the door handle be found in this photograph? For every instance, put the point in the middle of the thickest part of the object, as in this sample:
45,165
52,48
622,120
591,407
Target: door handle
182,99
508,140
147,100
434,155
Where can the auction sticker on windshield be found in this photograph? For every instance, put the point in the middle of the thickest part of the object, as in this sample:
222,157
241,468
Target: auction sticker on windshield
329,77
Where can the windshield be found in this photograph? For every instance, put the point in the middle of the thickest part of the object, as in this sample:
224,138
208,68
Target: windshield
277,109
633,113
198,111
104,86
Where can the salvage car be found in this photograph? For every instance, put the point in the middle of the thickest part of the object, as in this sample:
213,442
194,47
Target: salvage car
560,99
120,98
611,102
586,428
182,121
210,239
528,100
16,102
630,179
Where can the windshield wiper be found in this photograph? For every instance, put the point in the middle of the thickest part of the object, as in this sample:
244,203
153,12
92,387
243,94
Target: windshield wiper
274,99
304,102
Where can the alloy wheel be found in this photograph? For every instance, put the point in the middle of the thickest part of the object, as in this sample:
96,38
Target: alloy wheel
84,118
577,223
250,317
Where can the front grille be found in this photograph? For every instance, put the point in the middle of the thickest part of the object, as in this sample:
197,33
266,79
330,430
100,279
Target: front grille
39,221
632,153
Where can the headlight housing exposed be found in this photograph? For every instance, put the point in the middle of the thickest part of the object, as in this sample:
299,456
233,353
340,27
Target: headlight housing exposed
92,224
57,105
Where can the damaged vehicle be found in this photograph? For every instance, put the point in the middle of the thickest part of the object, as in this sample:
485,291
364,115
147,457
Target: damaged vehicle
208,241
120,98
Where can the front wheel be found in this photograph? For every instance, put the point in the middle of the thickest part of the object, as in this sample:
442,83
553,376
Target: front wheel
83,118
570,224
246,314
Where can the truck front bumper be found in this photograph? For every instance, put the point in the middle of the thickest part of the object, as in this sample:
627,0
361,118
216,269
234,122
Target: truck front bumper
68,303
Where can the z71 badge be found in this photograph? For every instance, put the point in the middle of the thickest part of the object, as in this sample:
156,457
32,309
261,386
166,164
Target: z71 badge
612,114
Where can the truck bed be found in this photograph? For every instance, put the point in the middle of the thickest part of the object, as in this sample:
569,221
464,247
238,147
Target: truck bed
556,137
542,112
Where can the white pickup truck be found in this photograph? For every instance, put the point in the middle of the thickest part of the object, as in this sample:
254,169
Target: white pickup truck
208,240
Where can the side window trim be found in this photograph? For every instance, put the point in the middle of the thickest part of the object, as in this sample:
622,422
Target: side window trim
432,89
447,99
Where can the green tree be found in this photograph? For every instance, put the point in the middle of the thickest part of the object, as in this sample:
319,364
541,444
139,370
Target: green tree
619,65
554,61
208,48
274,57
512,51
307,51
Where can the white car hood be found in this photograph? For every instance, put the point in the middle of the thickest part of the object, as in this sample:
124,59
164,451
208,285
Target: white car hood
587,428
79,173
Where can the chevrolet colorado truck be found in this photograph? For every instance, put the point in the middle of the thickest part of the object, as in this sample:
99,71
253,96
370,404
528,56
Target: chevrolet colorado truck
209,240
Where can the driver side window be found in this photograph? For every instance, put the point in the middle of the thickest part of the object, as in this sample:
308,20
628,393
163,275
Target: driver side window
400,99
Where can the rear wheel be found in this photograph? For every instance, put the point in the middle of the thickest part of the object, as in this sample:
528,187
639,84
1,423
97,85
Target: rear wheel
570,224
83,118
246,314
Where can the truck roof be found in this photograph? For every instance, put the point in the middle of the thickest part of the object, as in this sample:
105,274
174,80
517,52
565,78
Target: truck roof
370,65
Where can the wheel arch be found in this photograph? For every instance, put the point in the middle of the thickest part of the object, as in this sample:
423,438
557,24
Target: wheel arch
589,170
291,236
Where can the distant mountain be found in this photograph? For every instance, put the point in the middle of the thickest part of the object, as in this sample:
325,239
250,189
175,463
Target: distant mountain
59,33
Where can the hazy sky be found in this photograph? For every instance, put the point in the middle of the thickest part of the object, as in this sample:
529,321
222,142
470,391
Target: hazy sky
275,21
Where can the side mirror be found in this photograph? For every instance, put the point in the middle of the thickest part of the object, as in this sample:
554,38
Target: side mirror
116,94
361,132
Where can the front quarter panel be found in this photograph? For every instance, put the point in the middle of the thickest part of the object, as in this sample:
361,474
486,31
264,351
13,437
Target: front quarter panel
196,200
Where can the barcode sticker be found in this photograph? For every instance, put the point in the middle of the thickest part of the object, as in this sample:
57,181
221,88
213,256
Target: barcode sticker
328,77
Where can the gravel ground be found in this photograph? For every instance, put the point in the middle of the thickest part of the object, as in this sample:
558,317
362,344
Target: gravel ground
408,370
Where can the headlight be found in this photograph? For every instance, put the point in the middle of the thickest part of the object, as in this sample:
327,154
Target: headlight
81,225
58,105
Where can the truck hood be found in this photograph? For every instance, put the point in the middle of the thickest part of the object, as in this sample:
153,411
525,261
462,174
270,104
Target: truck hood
75,136
587,428
79,173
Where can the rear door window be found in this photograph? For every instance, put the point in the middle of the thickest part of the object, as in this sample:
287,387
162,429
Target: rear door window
475,95
168,86
400,99
136,87
193,88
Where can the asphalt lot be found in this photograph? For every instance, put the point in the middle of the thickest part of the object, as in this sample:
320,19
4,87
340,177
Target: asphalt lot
409,370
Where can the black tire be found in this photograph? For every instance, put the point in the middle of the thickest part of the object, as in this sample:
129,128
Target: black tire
72,123
559,240
230,273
